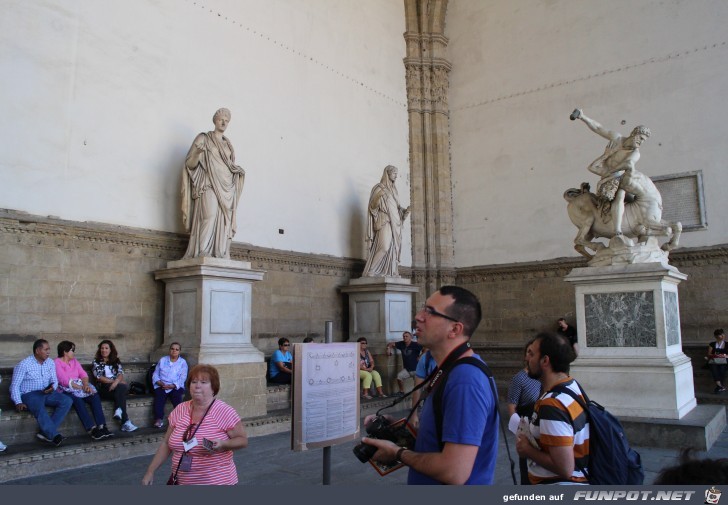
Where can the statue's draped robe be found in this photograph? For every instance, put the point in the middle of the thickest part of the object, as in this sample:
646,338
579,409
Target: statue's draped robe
384,230
210,194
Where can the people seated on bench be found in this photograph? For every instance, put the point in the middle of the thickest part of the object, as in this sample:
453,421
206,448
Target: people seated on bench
73,382
168,379
33,388
281,363
110,381
367,372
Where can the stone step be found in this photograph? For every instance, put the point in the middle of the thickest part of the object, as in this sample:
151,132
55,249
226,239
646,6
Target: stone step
21,427
35,457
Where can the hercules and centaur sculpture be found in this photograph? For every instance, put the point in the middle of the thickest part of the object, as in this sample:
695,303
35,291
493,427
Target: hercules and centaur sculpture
626,204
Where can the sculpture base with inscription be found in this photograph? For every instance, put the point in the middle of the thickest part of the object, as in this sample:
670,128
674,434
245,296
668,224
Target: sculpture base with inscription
631,359
208,310
380,310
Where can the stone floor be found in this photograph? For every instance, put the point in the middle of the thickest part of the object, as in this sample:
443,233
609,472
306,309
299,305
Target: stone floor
268,461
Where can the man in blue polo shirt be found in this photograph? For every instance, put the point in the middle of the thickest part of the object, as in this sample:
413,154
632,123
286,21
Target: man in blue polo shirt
464,450
410,355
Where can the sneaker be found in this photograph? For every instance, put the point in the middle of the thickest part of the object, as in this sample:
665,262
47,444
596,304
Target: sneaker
58,440
3,447
96,433
106,433
128,426
718,389
382,396
43,438
117,414
159,423
366,397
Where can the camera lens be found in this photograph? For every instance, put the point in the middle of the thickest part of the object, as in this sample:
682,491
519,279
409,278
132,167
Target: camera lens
364,452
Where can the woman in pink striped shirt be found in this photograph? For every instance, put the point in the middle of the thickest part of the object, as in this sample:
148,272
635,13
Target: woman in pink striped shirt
202,435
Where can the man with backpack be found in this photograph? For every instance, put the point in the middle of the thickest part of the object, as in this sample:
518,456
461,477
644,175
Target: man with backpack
559,425
457,441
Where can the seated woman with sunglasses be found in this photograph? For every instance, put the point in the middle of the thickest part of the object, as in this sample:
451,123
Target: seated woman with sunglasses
280,368
202,435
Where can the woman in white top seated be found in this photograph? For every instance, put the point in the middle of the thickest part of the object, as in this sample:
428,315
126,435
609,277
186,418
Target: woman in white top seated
169,379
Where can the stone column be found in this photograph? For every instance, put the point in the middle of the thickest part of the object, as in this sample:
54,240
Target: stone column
427,71
208,311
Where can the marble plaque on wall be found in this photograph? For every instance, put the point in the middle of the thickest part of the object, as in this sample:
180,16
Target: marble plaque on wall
367,317
226,312
183,320
672,318
620,319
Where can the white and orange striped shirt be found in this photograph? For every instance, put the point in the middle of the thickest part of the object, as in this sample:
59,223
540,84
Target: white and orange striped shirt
558,420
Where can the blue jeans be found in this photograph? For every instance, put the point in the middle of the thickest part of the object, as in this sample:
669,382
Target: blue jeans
80,405
37,401
160,398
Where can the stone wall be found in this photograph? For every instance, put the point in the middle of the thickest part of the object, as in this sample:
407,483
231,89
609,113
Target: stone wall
87,281
521,299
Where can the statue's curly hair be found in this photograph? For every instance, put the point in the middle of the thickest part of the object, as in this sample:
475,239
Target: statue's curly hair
641,129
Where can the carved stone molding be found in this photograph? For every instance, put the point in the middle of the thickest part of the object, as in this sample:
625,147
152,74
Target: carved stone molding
427,86
32,230
560,267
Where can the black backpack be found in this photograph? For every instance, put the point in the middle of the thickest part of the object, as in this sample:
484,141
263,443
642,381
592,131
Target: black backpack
150,382
611,460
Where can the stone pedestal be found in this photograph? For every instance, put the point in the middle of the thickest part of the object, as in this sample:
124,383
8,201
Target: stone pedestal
208,311
380,310
628,322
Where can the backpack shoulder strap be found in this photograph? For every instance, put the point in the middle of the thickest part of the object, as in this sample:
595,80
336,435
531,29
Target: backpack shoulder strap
437,403
437,393
585,407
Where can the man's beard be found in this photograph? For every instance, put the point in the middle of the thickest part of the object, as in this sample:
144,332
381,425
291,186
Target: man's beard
535,374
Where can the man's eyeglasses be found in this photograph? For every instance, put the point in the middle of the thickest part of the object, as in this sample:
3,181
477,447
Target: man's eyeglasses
432,312
286,345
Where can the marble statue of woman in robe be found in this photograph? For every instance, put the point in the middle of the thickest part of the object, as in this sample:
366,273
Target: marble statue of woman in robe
384,227
211,187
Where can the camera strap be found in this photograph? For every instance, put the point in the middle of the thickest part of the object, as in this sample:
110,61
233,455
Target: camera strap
431,381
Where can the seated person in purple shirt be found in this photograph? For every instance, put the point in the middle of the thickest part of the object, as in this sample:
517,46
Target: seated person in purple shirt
33,388
169,379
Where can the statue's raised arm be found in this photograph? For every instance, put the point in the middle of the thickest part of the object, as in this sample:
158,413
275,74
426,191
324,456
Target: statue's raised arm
594,126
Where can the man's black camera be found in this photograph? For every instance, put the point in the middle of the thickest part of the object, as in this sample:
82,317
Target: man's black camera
382,429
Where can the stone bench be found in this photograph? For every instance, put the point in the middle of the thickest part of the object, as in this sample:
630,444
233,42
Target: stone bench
21,427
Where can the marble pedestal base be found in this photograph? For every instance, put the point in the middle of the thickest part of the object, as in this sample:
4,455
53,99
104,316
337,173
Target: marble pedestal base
208,311
380,310
628,322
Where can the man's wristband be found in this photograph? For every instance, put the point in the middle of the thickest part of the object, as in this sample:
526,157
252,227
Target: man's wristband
398,456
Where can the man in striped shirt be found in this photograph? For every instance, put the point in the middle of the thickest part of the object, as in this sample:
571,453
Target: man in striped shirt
559,425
